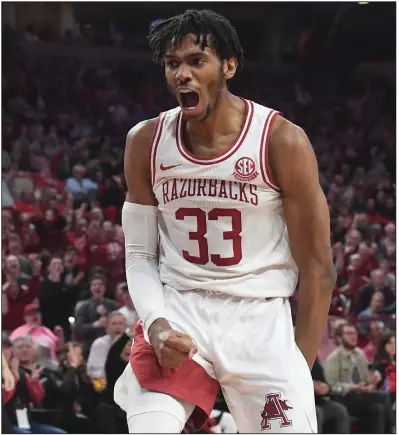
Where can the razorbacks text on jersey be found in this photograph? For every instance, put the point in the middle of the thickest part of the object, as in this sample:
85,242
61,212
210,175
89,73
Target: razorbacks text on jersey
221,221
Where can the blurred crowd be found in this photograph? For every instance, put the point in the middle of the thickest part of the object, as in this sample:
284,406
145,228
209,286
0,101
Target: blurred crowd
67,317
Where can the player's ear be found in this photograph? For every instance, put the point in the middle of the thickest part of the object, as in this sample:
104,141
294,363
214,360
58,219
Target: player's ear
229,68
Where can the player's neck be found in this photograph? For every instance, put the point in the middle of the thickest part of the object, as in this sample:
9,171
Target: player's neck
226,117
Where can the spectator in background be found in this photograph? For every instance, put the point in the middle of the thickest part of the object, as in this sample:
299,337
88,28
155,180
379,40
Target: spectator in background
373,338
57,299
91,316
332,417
40,334
346,371
390,277
28,390
13,270
385,364
128,310
377,284
7,227
96,247
15,249
72,274
51,229
112,193
15,296
34,358
110,417
29,237
371,314
389,240
79,397
82,189
116,325
115,255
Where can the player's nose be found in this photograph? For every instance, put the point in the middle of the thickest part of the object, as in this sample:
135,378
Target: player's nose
183,74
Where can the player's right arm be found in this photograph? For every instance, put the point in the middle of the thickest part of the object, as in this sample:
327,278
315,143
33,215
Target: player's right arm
140,227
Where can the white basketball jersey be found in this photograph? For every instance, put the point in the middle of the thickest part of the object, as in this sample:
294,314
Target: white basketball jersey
221,222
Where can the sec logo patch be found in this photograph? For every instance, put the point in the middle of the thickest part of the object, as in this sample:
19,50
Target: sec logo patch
245,169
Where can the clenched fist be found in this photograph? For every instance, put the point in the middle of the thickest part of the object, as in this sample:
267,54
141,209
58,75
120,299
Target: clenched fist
171,347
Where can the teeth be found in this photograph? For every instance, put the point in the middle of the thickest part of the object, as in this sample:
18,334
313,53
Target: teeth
185,91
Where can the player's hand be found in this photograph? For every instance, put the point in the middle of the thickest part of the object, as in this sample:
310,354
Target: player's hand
171,347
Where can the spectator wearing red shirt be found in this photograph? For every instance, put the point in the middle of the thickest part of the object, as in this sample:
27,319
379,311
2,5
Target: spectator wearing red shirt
96,249
12,270
355,277
51,231
29,237
16,296
115,256
15,248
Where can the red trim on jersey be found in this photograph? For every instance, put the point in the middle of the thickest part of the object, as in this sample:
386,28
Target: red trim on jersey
189,382
154,144
264,151
249,112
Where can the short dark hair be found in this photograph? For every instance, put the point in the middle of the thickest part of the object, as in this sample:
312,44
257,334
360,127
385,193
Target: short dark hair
202,23
339,332
98,276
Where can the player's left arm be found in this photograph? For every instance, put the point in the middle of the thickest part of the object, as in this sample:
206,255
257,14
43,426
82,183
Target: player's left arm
294,168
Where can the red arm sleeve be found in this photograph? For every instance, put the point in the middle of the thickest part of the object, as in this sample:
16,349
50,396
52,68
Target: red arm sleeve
33,289
35,389
7,395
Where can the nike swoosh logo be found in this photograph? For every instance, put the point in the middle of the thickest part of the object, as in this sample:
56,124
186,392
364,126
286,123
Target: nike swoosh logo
165,168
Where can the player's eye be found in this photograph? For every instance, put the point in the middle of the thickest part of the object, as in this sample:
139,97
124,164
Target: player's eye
197,61
172,64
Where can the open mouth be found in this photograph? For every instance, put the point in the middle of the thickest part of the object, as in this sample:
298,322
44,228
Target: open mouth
189,99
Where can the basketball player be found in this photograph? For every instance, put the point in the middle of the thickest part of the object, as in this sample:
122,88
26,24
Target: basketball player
231,191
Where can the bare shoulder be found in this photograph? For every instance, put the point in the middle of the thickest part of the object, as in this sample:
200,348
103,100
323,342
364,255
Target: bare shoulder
139,138
291,156
287,137
137,163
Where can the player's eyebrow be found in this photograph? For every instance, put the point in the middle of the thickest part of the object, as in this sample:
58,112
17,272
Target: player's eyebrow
187,56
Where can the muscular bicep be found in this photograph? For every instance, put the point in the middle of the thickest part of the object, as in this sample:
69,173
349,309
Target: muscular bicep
137,164
305,206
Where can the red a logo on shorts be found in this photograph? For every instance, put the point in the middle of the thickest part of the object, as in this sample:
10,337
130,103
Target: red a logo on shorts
275,410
